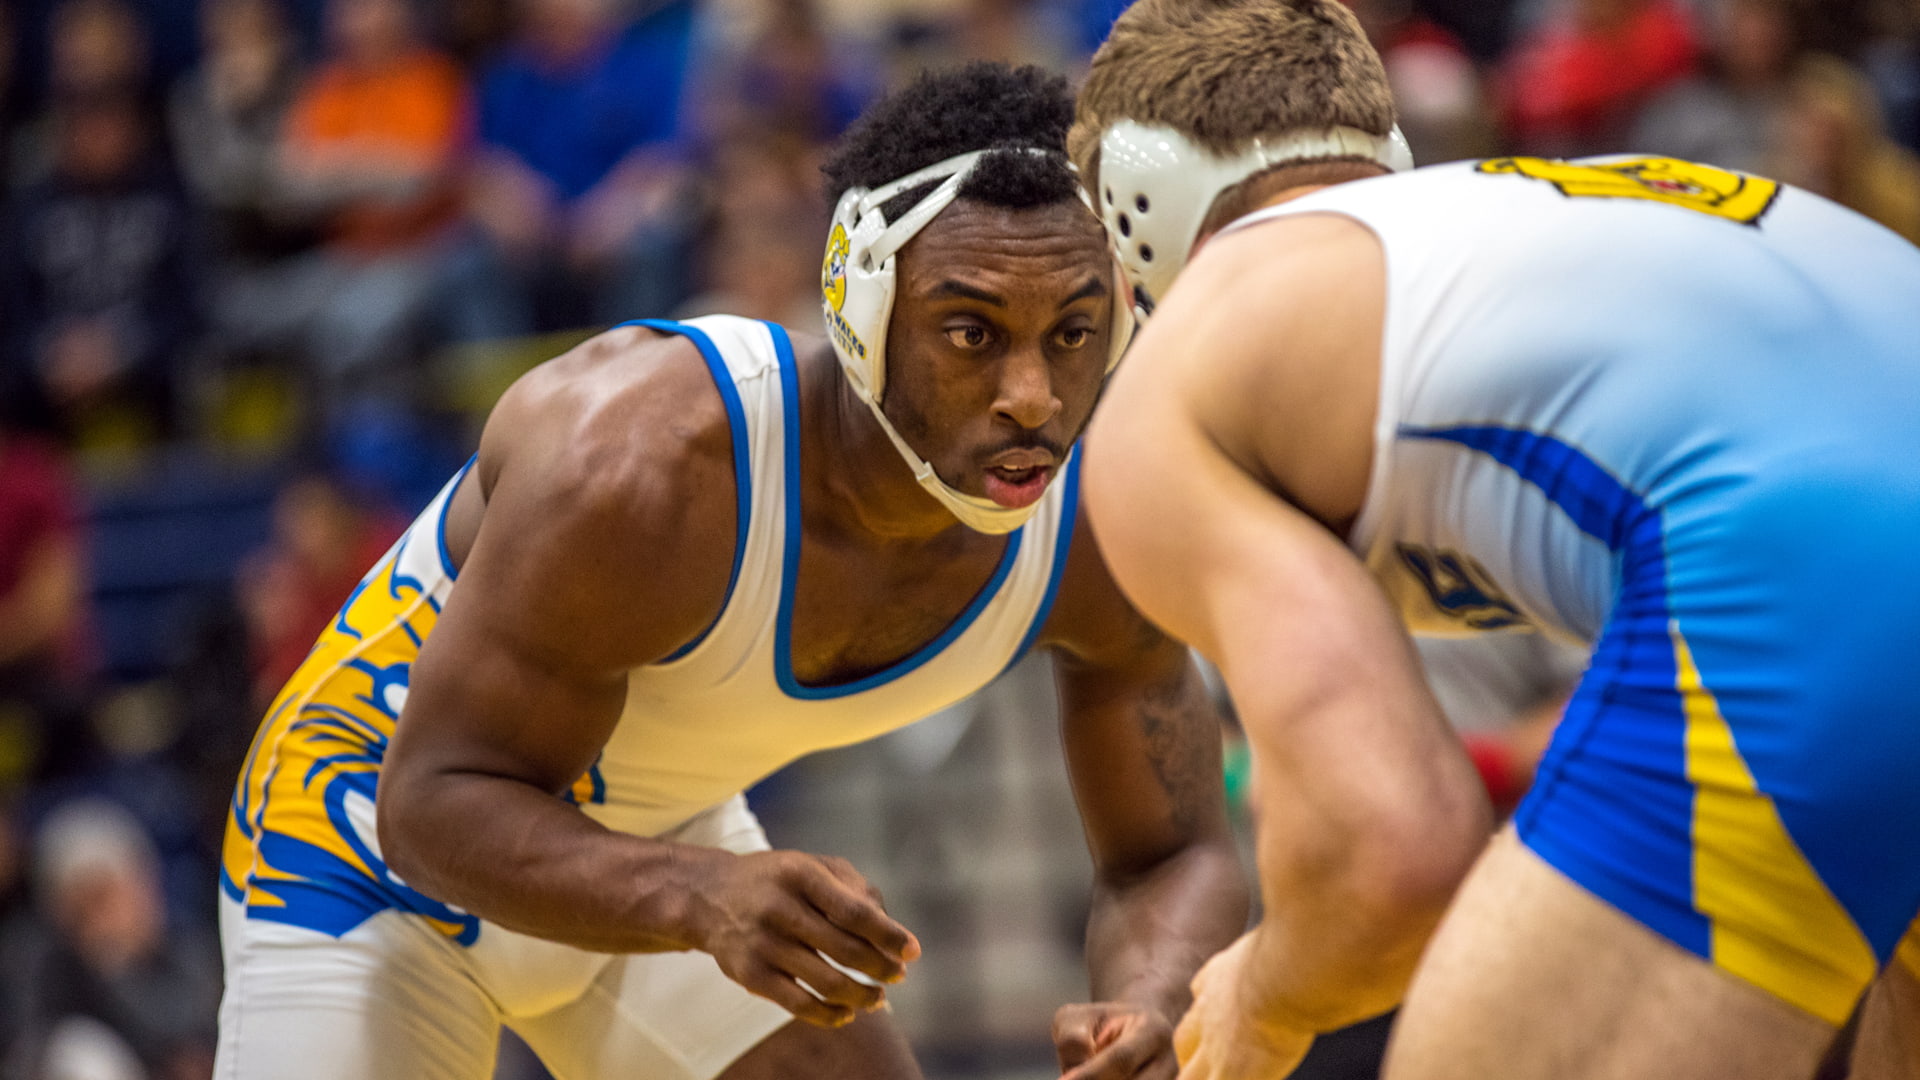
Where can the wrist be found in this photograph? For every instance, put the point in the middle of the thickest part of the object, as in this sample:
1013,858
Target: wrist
1273,1006
677,893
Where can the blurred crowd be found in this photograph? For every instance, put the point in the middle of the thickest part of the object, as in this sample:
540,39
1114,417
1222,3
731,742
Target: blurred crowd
265,263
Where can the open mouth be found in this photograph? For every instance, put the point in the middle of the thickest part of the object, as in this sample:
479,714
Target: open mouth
1016,488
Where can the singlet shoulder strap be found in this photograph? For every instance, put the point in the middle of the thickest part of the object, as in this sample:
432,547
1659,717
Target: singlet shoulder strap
744,357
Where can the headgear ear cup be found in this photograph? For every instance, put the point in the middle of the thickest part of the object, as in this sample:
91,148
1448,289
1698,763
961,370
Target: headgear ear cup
1126,317
1156,185
857,281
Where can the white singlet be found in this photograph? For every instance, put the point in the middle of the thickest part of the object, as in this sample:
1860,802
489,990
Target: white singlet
312,909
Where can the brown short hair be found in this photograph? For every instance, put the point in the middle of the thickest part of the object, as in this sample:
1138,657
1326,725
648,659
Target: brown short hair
1222,72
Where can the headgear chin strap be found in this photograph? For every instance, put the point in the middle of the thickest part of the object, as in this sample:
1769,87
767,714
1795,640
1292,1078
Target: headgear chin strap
858,279
1156,185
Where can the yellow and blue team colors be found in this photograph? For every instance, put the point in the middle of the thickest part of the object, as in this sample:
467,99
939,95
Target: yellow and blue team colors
300,847
1670,409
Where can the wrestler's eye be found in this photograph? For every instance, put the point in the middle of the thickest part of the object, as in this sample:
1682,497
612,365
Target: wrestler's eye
1075,337
967,337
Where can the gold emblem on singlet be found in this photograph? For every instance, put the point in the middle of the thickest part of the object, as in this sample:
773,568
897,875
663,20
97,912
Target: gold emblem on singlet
1703,188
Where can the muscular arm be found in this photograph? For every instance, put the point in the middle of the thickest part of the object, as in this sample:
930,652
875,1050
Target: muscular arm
591,491
1369,811
605,543
1143,749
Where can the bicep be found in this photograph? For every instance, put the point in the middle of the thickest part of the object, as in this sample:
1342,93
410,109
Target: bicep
1323,676
1141,736
524,673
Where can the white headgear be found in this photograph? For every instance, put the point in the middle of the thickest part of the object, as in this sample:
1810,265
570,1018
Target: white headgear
1156,185
857,281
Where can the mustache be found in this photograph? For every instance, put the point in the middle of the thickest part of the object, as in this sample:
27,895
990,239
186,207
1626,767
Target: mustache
1032,440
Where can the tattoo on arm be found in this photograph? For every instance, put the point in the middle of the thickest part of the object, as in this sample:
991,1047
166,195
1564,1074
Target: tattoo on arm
1183,747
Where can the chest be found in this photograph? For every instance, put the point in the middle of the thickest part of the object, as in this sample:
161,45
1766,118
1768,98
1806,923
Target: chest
857,610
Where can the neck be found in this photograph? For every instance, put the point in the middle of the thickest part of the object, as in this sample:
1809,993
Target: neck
1211,227
862,485
1287,195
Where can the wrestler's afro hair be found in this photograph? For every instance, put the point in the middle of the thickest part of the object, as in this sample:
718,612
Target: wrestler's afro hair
945,113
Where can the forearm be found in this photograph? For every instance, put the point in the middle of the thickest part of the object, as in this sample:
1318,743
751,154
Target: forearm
1353,892
1315,968
1149,933
517,856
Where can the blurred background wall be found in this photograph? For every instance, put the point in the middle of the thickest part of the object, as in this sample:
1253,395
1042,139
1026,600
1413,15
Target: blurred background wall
265,264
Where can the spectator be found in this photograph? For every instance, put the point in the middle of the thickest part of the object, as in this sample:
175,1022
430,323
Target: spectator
100,280
46,659
111,975
97,46
1726,115
762,242
92,47
579,187
42,575
1573,86
780,73
323,540
1436,86
373,143
1832,141
228,121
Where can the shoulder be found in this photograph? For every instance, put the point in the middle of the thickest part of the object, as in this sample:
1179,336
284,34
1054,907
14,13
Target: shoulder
631,418
607,473
1266,313
1268,351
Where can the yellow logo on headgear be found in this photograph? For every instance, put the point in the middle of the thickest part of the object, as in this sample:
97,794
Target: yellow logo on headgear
833,272
1717,192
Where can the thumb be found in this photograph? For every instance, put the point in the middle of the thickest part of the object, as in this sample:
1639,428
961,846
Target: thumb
1074,1034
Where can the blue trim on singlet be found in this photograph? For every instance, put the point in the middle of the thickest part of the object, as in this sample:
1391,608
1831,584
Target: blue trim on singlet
440,528
1628,709
234,892
742,470
1062,545
790,572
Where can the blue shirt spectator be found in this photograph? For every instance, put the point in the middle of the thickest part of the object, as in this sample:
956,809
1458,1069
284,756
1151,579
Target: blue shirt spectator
573,120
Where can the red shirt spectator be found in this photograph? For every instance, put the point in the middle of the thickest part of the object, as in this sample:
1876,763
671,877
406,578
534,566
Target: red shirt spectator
322,543
42,608
1573,87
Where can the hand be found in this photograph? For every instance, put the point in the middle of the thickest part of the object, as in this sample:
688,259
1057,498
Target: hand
773,920
1223,1037
1113,1040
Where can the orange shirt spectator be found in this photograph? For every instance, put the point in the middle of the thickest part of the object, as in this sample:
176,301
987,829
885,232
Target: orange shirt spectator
1573,87
374,134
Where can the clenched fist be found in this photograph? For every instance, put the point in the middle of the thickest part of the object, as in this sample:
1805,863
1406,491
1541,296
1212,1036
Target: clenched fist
1113,1040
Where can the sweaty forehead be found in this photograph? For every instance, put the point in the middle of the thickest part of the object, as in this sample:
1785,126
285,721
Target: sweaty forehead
973,240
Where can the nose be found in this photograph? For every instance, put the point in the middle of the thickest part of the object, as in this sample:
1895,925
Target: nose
1026,394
